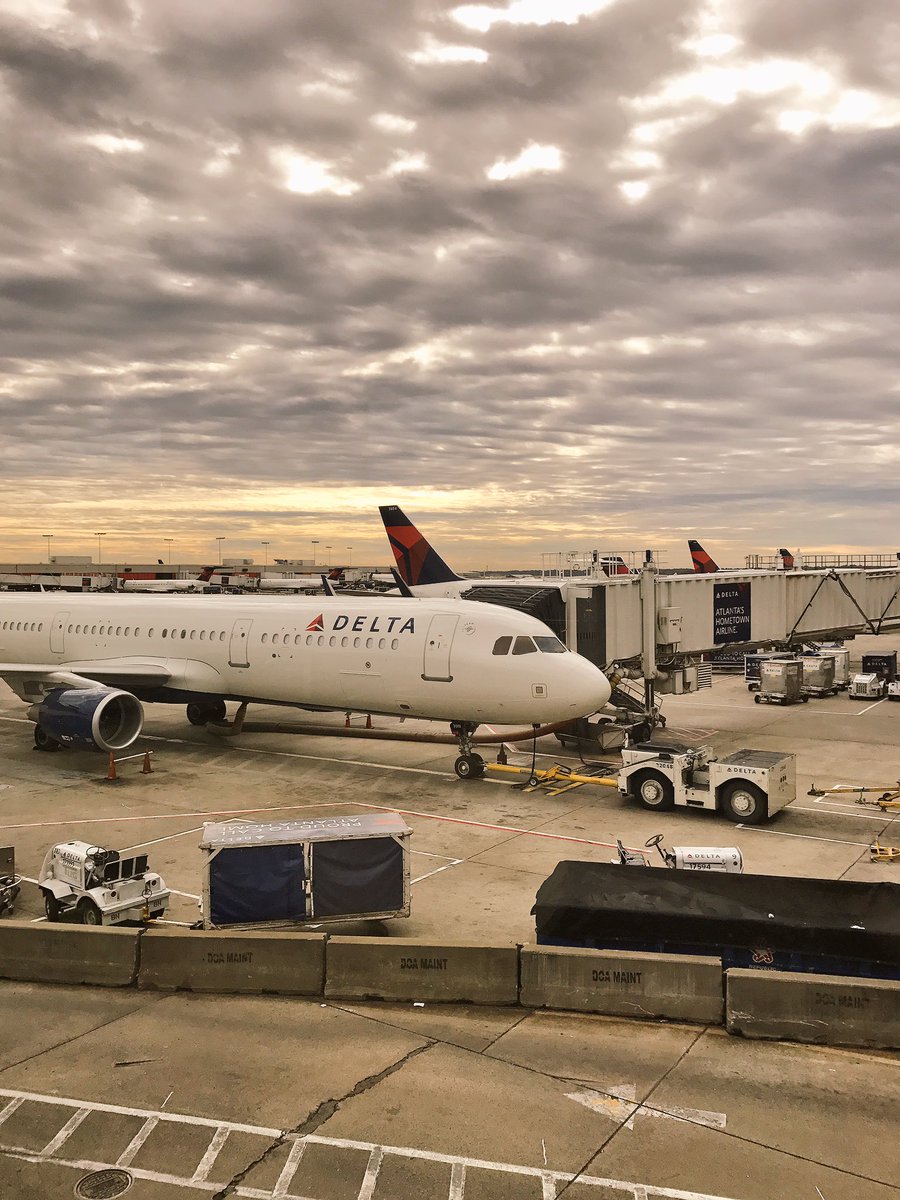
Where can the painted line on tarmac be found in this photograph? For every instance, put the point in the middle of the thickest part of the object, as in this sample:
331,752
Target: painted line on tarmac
833,812
808,837
559,837
437,870
212,812
869,707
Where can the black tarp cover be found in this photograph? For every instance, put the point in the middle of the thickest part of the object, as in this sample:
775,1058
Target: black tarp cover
599,904
357,877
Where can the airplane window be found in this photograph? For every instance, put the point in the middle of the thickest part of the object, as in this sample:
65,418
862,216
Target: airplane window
550,645
183,633
150,632
118,630
264,638
321,640
127,630
524,645
357,642
137,633
93,629
297,639
394,643
165,633
41,627
69,629
193,633
202,635
309,639
502,645
370,642
222,636
77,627
382,643
332,641
345,641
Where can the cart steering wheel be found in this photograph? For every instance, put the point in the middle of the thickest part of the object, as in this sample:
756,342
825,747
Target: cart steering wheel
654,841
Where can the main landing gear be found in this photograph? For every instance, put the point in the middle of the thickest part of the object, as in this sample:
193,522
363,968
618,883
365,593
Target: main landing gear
201,713
469,765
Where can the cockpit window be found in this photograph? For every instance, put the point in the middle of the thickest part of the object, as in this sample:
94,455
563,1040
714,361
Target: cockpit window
524,645
550,645
502,645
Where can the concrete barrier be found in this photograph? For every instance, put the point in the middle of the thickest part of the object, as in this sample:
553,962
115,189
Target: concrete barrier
406,969
293,963
842,1011
681,987
45,953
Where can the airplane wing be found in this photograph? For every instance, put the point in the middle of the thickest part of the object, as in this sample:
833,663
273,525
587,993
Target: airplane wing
28,680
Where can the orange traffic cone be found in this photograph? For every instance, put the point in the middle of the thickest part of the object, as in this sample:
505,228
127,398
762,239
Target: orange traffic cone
146,769
111,776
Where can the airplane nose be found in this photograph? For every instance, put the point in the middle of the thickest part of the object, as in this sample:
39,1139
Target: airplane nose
592,689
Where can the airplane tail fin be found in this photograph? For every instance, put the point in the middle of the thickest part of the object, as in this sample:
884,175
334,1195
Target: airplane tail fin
206,574
787,560
336,573
703,564
417,560
327,585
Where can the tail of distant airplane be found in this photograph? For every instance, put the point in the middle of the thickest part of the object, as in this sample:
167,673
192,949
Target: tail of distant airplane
417,560
787,560
703,564
336,573
206,574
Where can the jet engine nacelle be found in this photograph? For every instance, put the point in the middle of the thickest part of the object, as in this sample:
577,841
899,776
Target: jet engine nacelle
98,718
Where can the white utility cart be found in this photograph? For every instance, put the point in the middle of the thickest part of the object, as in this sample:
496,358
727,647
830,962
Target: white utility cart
746,786
102,887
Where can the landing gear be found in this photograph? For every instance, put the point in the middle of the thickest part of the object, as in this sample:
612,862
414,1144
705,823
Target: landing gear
469,765
201,713
43,740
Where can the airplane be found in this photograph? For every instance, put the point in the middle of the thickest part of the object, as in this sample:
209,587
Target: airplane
166,585
702,562
85,663
306,584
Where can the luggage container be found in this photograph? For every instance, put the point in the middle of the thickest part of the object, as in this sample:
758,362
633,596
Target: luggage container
753,662
280,873
884,665
818,675
841,666
781,682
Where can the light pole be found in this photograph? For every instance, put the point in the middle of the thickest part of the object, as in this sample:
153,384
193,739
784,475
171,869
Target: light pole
328,561
169,542
315,543
48,538
349,556
98,536
220,540
266,552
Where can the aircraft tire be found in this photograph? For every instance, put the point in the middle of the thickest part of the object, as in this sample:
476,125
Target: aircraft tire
469,766
201,714
653,791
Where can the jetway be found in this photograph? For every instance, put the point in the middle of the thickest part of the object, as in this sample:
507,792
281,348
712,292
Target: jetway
625,619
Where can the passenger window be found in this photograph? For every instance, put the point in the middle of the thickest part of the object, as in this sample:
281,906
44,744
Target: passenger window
502,645
297,639
357,642
127,630
193,633
309,639
202,635
345,641
264,638
524,645
118,630
137,633
394,643
165,633
370,642
184,633
550,645
321,639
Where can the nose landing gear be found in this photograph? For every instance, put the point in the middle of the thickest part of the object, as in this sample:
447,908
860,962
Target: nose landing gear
469,765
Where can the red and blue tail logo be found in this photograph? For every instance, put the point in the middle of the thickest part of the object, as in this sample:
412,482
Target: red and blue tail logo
702,563
417,560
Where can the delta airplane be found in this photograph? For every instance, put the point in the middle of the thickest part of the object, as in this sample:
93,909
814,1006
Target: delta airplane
703,563
85,663
167,585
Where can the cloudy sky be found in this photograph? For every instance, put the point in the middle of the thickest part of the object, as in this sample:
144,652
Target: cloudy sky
550,274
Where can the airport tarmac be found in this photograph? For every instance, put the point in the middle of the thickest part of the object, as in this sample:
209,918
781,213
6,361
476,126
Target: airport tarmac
268,1096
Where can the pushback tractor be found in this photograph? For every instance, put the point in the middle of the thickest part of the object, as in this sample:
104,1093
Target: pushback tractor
101,887
746,786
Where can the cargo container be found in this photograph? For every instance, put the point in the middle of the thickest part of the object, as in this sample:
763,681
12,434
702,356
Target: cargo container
781,682
817,675
279,873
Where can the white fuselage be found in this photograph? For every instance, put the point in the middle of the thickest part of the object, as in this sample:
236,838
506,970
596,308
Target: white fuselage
426,658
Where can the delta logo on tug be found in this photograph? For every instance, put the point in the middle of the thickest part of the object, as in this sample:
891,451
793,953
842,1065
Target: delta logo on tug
363,624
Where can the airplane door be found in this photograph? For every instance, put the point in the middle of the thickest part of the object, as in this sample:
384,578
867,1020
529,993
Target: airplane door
57,633
239,646
437,648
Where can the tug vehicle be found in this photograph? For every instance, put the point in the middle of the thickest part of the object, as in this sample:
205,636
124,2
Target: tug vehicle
746,786
101,886
683,858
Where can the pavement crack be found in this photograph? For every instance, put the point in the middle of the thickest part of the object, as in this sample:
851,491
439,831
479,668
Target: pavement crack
318,1117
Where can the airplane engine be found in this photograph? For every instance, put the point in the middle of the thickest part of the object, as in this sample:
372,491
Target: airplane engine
98,718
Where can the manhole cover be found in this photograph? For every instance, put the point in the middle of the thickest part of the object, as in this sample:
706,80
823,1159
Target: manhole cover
103,1185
